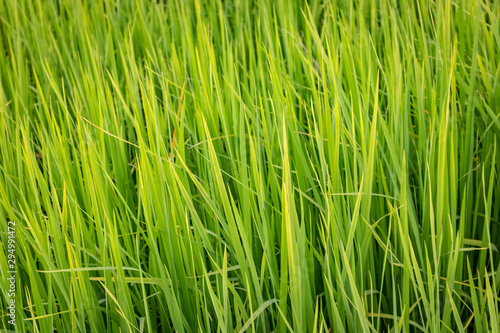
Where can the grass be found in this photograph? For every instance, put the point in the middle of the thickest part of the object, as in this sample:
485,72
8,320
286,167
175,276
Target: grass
251,166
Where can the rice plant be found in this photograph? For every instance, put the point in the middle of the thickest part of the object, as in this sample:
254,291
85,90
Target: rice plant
249,166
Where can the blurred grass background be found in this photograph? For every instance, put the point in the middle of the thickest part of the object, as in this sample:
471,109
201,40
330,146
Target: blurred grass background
188,166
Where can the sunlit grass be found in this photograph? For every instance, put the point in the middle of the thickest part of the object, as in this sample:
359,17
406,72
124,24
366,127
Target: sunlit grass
251,166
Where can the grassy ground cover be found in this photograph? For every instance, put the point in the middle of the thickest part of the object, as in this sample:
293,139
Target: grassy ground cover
191,166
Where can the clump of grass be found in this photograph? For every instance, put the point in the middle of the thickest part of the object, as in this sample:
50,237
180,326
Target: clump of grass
251,166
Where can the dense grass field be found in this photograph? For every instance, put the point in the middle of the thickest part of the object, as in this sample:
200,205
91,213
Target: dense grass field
191,166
